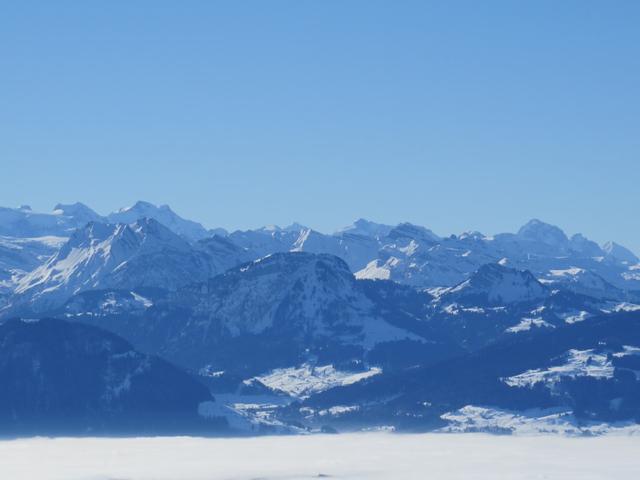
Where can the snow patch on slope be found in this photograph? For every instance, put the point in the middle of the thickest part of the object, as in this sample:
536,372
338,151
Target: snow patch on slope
577,363
527,324
376,271
531,422
306,380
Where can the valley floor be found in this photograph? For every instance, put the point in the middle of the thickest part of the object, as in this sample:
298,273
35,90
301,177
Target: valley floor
353,456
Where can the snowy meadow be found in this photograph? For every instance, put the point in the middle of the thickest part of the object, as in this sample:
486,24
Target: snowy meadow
353,456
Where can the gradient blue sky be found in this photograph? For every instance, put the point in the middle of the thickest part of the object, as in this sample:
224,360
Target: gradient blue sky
455,115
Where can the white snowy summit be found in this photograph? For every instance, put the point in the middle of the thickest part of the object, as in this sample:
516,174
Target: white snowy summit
366,228
80,213
99,256
619,253
162,214
496,284
538,231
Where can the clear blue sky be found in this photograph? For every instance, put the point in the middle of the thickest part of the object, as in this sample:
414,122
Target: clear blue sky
455,115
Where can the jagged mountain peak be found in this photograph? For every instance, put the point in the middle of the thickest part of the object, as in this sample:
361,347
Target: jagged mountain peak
143,229
99,255
91,231
582,281
271,229
78,210
65,218
191,230
582,245
540,231
141,205
288,261
619,253
151,226
302,274
24,222
490,273
309,237
295,227
496,283
267,228
414,232
472,235
363,222
309,302
366,228
220,241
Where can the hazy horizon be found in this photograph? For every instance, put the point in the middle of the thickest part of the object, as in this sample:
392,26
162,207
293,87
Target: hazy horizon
330,230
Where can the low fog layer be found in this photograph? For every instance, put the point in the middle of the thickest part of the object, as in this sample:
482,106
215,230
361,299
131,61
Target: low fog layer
358,456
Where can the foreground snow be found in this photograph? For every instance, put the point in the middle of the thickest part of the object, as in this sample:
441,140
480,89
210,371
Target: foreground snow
361,456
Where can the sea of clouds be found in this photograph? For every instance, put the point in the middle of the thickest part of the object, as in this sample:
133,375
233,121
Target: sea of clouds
353,456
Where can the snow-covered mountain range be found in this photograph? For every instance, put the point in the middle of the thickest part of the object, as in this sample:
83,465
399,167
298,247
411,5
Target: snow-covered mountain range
100,255
318,329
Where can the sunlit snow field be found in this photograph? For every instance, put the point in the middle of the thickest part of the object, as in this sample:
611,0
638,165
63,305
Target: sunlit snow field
357,456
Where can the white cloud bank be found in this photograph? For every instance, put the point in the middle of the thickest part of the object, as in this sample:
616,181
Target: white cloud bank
356,456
